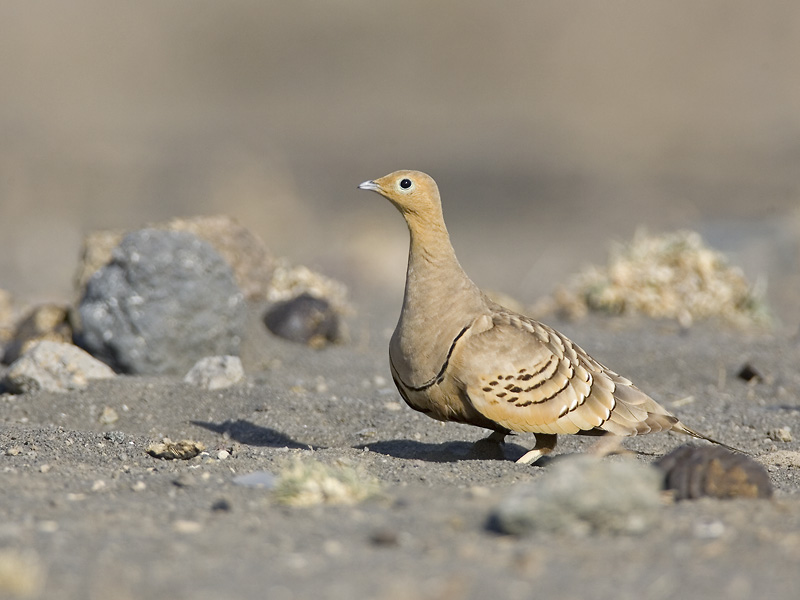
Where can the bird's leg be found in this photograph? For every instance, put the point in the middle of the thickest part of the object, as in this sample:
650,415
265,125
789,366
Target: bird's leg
490,446
498,436
545,443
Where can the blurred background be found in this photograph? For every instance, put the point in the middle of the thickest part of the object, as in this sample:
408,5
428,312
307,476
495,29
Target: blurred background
552,128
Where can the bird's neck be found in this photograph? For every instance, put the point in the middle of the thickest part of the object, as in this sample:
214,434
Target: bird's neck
440,300
433,268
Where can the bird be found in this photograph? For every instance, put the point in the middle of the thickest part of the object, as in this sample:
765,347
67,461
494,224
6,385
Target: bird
456,355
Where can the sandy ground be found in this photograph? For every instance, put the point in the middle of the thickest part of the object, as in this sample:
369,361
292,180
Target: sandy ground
90,515
552,128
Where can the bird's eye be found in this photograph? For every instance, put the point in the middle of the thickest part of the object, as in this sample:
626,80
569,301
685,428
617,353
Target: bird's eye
405,184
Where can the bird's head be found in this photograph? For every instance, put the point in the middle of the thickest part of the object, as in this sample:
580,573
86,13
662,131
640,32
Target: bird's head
412,192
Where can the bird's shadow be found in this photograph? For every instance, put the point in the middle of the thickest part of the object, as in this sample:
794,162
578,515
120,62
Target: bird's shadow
450,451
251,434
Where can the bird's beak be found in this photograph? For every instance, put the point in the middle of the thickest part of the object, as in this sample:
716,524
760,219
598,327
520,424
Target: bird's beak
369,185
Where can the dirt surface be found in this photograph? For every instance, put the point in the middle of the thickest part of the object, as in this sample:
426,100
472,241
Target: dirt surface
94,516
552,129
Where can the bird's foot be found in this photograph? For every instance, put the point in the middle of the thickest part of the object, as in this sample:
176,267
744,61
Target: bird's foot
545,444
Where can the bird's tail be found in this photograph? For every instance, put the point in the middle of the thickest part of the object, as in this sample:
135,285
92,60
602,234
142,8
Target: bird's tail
696,434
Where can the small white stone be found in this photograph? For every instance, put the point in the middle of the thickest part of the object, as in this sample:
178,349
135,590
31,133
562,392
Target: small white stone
781,434
184,526
48,526
108,416
216,372
709,530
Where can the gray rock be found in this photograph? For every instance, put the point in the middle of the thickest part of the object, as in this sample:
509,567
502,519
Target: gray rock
165,300
246,254
54,367
582,495
216,372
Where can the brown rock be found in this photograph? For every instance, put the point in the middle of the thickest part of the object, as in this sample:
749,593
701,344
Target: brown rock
95,253
693,472
6,317
48,322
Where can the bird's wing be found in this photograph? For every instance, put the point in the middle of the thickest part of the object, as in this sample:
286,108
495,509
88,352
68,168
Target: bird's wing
526,376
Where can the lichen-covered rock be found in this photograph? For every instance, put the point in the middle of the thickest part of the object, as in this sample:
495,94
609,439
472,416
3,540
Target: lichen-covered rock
582,495
216,372
670,276
292,281
310,482
54,367
305,319
165,300
169,450
697,471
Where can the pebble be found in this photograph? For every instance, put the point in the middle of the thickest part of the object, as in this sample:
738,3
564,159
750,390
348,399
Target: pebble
108,416
781,434
184,480
385,537
583,495
222,505
184,526
166,300
216,372
708,530
749,373
257,479
53,367
117,437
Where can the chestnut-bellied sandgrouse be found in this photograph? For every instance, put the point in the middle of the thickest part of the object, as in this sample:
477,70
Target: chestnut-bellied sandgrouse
458,356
